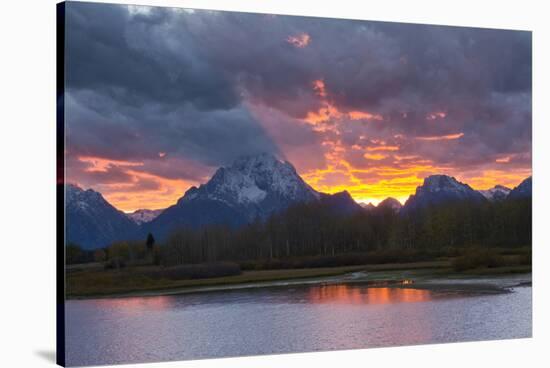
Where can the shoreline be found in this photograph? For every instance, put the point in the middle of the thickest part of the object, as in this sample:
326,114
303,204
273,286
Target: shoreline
425,276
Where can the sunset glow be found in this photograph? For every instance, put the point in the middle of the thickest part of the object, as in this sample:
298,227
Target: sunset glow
152,190
372,111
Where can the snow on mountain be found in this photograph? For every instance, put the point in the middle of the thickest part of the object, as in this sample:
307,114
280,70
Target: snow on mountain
142,216
251,180
91,221
438,189
523,190
257,185
253,187
497,193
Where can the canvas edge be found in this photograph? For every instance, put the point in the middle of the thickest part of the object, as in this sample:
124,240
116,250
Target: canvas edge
60,184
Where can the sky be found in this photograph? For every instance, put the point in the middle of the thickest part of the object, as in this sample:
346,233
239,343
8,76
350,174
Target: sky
156,99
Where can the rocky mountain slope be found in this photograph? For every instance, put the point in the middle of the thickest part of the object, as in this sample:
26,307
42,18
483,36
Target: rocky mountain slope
91,221
438,189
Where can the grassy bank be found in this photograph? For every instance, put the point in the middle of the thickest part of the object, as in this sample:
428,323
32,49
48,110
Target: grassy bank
95,281
112,282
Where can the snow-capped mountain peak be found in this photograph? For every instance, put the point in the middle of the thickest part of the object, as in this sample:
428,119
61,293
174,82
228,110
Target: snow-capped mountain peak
251,180
437,183
440,189
91,221
142,216
252,188
497,193
78,197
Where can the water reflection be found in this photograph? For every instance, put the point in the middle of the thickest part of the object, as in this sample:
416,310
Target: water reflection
347,294
132,306
156,302
284,320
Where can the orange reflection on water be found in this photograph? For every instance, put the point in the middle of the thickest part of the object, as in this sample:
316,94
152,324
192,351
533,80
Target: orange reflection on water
131,306
346,294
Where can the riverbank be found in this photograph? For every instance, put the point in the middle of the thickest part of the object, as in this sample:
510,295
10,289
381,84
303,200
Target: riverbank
131,282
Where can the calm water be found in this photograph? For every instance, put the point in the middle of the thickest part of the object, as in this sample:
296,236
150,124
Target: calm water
283,320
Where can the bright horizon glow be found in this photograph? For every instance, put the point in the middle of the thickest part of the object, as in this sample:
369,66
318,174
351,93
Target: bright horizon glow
377,201
378,192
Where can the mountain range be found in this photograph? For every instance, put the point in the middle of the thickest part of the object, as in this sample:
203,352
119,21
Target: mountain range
251,189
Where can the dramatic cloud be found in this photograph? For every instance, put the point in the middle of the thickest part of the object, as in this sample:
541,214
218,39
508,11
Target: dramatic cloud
158,98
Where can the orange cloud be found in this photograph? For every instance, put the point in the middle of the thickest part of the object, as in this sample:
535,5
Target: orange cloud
138,189
383,148
363,115
405,157
441,137
380,178
300,41
125,199
324,114
503,160
391,170
101,164
374,156
319,87
367,185
373,184
331,112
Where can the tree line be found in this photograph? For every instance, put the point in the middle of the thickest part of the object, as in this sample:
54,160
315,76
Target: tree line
314,229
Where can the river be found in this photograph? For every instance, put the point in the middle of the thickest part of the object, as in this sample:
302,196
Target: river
285,319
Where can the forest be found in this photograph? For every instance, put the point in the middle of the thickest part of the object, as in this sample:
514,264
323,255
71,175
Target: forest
313,233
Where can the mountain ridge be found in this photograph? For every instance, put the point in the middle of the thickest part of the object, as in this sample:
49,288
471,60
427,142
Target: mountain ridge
252,188
390,203
91,221
523,190
496,193
437,189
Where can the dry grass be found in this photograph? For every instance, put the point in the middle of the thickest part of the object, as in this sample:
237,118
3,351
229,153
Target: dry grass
94,281
112,282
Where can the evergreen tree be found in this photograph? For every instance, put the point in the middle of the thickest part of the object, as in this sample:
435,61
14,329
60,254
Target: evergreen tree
150,242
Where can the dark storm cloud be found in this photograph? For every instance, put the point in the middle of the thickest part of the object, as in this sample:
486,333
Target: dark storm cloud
210,86
132,59
101,126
